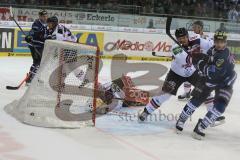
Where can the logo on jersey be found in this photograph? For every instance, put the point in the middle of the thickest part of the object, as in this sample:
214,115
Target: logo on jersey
219,62
177,50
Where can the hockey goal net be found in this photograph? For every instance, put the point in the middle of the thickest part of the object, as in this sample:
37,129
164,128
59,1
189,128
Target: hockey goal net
61,91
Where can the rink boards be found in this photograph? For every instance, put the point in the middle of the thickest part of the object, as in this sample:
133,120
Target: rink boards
136,45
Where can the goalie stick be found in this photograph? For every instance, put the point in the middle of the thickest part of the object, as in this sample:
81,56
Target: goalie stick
17,87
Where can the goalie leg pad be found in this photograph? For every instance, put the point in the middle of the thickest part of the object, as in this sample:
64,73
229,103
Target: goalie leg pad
136,95
124,81
132,95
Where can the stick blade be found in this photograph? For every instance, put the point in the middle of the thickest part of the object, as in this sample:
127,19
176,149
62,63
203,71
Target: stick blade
11,88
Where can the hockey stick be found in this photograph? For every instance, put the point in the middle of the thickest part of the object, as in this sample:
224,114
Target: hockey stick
12,17
154,54
17,87
168,29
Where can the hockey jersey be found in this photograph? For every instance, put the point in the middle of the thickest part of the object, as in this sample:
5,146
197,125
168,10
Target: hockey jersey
39,33
220,68
208,38
181,63
61,33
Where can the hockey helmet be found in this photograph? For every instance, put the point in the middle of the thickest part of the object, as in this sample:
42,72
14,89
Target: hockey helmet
52,19
180,32
220,35
42,12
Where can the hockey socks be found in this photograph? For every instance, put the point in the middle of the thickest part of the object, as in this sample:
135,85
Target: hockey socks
188,110
154,104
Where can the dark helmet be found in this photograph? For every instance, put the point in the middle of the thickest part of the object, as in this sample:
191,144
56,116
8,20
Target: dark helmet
42,12
180,32
220,35
52,19
199,23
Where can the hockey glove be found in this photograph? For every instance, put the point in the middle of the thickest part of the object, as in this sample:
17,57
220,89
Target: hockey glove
28,39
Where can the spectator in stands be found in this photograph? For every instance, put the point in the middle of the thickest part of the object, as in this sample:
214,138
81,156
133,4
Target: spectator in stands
150,24
199,10
238,10
233,14
205,8
159,8
167,6
68,3
222,28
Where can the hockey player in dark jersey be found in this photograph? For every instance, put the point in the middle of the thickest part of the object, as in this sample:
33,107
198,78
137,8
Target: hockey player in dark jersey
218,69
35,41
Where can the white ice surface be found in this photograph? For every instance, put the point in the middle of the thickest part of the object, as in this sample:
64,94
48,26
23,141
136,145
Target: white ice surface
114,137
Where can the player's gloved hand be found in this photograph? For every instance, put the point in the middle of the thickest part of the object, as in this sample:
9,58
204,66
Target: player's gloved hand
28,39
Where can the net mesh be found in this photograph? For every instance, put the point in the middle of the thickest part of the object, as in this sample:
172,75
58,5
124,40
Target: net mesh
62,89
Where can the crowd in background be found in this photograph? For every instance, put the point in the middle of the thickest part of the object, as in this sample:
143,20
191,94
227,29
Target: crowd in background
227,9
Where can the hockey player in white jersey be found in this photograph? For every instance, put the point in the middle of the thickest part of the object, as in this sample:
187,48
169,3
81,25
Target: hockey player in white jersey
197,28
58,31
182,69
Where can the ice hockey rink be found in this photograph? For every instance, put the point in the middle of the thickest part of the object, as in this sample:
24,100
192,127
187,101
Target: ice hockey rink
113,137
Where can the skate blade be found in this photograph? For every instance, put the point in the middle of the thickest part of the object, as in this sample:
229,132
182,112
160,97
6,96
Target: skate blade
178,131
218,123
197,136
140,121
